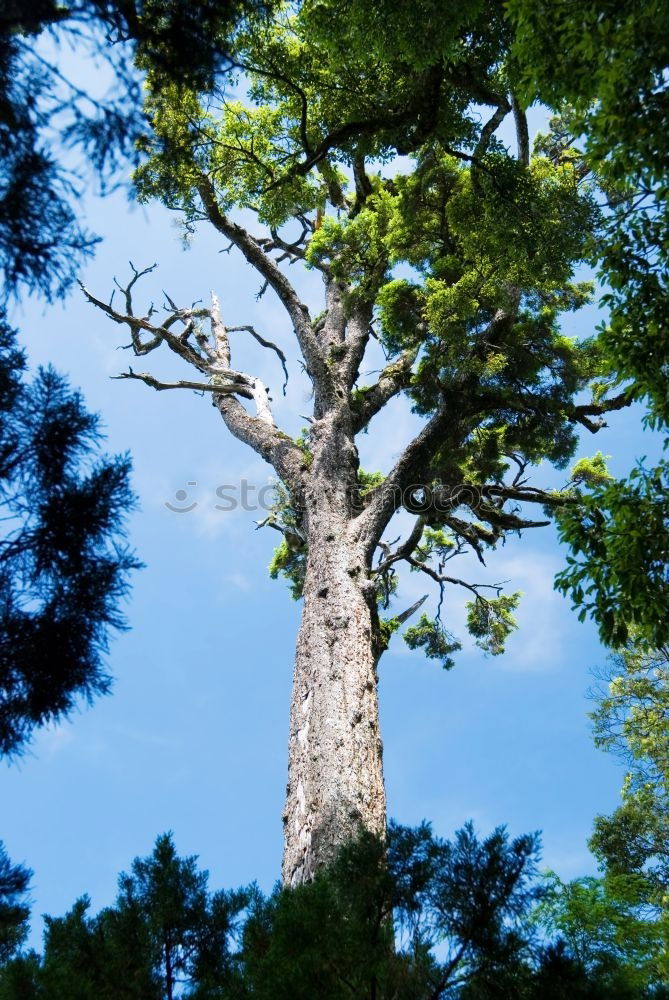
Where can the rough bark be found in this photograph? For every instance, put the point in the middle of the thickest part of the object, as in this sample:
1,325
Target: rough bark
335,773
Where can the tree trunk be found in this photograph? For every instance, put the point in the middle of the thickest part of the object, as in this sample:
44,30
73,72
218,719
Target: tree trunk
335,773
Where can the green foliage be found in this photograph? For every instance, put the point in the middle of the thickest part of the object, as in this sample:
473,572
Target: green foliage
491,242
430,636
603,65
491,621
368,481
387,629
166,935
606,925
42,238
290,556
632,721
619,536
434,543
411,917
591,471
356,249
289,560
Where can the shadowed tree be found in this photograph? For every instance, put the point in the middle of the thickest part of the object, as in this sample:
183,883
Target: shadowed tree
14,911
166,936
461,264
55,131
412,918
63,562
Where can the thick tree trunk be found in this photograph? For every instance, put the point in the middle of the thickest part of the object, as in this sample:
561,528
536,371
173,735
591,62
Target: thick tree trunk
335,773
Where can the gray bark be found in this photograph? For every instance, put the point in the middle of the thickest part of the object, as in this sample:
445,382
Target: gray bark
335,773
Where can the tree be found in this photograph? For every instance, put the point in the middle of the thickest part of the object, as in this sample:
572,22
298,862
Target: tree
14,912
607,927
369,923
414,917
165,936
461,264
631,721
64,564
188,929
43,241
603,67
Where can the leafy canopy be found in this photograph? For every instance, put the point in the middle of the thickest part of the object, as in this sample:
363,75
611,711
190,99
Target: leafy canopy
368,127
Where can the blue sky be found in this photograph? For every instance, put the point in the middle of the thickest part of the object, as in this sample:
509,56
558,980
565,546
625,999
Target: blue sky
194,737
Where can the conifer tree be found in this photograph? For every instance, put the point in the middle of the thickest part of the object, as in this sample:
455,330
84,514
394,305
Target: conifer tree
64,564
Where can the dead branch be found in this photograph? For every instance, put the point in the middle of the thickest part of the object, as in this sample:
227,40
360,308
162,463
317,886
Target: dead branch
265,343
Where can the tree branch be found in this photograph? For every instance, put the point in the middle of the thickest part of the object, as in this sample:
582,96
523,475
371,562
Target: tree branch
265,343
265,266
441,578
406,548
371,399
159,334
522,132
271,444
238,388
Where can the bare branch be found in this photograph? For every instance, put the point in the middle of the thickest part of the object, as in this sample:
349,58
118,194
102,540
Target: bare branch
219,334
441,578
159,334
238,388
265,343
474,534
405,615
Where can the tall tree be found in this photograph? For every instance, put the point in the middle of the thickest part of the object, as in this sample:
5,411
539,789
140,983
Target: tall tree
461,264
